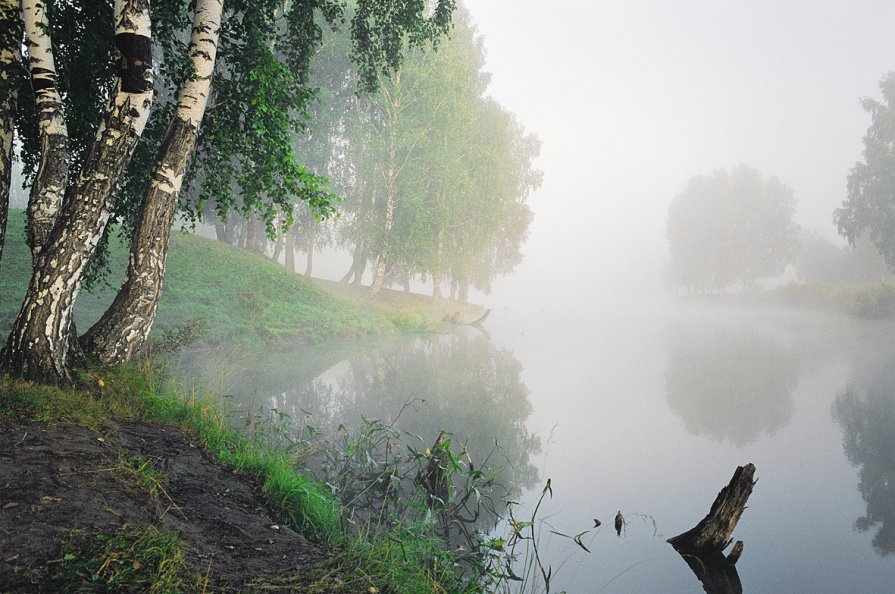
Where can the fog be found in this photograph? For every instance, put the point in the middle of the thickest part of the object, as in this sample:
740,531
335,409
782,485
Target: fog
631,99
588,369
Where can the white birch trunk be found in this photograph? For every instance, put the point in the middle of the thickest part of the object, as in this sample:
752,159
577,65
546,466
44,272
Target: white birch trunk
124,327
10,44
382,261
38,345
51,181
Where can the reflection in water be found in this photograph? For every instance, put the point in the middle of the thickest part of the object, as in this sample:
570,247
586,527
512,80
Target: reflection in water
732,385
458,383
716,574
455,383
868,437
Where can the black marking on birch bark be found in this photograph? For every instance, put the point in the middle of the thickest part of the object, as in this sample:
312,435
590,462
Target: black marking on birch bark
42,79
135,63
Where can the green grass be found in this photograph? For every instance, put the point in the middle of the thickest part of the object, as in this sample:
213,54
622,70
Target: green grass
133,559
242,296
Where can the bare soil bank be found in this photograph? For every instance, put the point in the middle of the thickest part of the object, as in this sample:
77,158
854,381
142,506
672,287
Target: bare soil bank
64,480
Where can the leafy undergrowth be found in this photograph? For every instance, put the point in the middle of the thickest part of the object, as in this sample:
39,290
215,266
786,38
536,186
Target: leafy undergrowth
242,296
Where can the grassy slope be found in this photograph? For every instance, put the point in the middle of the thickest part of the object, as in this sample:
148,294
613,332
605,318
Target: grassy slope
242,296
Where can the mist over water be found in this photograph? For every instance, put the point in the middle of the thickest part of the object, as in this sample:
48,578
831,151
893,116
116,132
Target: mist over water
647,413
591,373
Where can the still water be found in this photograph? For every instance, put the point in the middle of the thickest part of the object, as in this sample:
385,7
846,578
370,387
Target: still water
644,413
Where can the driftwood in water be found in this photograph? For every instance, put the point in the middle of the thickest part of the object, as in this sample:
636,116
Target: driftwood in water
713,533
702,546
456,321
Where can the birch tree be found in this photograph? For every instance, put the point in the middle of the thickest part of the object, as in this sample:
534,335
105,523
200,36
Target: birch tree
10,44
38,344
49,185
244,147
126,324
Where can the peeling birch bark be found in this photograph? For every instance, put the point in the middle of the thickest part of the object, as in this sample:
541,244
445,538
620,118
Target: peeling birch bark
124,327
39,342
51,180
10,44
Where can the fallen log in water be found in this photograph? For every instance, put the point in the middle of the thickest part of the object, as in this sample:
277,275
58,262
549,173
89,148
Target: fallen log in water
456,320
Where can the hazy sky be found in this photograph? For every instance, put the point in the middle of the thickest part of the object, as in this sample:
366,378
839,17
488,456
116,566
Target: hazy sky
633,97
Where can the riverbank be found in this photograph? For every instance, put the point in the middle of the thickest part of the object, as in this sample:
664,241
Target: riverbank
874,301
237,296
119,485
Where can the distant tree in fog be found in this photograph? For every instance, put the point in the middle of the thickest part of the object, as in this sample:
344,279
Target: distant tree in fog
730,227
870,205
821,261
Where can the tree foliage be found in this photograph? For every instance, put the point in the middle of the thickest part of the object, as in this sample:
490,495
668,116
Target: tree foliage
436,173
245,152
730,227
870,205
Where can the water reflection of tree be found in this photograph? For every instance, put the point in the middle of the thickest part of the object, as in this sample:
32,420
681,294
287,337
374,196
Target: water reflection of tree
458,384
868,437
729,384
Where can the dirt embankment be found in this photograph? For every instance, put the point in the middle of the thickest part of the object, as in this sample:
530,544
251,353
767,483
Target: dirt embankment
60,481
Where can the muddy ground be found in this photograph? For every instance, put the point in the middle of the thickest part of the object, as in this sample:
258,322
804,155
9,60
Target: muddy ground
59,480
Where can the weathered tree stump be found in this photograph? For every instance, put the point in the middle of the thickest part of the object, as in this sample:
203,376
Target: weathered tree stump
702,546
713,533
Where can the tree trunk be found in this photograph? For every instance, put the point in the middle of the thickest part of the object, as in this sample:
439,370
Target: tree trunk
38,344
222,232
10,42
382,260
312,239
463,292
355,265
51,181
123,328
277,250
361,268
290,252
436,287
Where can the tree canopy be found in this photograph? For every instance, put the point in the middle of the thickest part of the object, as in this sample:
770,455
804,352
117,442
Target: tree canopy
730,227
870,204
101,74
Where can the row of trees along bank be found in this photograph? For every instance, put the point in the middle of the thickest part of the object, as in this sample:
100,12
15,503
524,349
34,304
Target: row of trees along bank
434,174
109,106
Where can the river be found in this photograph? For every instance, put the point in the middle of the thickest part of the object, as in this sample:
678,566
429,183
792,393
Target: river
644,412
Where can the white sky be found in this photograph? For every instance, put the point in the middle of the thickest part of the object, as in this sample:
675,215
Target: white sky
633,97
